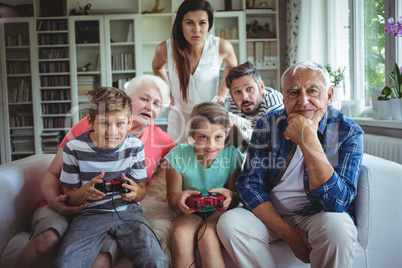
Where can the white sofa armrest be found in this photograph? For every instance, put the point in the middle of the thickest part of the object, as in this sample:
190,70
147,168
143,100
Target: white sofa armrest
19,192
378,211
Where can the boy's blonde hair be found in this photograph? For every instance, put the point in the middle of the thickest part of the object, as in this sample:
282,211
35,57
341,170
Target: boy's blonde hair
108,99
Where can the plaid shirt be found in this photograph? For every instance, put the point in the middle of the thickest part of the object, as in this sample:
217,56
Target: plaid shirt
342,141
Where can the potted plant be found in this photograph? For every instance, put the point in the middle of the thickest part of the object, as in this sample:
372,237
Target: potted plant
384,106
395,89
336,74
393,92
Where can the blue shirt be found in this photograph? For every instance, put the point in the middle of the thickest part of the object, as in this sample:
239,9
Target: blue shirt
342,142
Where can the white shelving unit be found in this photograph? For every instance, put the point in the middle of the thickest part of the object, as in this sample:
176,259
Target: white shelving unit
54,81
20,129
124,31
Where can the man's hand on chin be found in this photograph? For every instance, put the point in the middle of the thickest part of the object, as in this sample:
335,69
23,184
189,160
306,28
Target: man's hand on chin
301,129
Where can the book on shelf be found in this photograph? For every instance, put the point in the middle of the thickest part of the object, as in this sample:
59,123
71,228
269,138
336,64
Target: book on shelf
21,119
122,61
97,63
85,84
22,144
130,33
250,52
121,82
51,141
50,134
20,94
128,61
22,132
259,52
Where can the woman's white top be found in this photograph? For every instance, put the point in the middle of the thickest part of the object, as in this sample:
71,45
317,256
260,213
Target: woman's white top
203,86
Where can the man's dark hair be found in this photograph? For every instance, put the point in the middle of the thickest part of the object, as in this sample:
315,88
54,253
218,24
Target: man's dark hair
241,70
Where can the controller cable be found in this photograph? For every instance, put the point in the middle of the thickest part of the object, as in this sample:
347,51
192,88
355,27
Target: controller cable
203,232
114,206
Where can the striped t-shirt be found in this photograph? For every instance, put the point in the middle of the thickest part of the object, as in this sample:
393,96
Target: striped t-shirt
273,101
83,160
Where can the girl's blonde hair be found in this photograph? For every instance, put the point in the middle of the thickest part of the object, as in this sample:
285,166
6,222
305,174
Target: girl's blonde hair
213,113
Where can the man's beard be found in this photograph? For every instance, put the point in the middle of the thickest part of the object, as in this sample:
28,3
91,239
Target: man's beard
254,111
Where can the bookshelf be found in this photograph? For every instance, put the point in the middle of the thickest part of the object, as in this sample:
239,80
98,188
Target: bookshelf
54,79
121,48
20,133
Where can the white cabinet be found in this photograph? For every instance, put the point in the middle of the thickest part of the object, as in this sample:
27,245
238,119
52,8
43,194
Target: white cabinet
262,43
88,59
103,53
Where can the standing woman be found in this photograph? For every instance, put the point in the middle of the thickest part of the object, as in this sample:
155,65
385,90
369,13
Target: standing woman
194,58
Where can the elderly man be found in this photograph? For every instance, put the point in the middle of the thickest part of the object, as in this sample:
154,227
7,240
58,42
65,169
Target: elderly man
299,179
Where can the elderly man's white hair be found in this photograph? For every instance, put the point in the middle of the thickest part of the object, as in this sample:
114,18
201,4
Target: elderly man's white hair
153,81
303,65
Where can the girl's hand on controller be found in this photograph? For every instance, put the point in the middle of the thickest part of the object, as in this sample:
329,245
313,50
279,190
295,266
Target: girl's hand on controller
228,194
183,201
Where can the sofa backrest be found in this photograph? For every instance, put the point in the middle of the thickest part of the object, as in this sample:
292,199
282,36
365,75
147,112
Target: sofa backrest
378,211
19,192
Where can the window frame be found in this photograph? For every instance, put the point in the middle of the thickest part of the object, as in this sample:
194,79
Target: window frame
393,45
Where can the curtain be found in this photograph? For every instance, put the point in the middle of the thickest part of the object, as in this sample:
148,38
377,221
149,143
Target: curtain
312,42
292,31
317,30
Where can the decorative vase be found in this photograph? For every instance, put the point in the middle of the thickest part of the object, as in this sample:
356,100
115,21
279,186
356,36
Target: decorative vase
347,107
395,109
250,3
400,104
384,110
375,93
338,96
357,107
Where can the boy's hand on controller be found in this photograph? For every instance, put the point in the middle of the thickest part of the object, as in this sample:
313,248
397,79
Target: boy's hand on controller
228,194
133,187
89,189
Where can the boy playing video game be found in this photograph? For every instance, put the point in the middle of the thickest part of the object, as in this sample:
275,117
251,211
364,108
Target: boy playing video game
100,159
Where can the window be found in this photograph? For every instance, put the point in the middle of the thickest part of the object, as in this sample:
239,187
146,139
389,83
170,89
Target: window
372,51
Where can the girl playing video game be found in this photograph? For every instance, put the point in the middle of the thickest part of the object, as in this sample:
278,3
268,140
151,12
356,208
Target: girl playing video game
207,166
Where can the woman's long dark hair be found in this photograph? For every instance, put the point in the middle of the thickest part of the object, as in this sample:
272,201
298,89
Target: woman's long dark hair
180,45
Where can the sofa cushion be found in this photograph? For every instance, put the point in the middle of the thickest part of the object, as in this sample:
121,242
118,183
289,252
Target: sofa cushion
15,246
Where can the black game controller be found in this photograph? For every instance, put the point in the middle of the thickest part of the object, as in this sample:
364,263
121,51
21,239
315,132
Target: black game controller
112,186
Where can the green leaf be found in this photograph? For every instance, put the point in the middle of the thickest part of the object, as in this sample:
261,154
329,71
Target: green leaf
398,78
386,91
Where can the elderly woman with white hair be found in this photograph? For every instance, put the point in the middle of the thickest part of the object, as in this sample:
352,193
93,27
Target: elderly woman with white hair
50,221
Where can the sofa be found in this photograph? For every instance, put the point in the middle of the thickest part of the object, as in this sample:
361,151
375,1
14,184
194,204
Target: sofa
378,213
